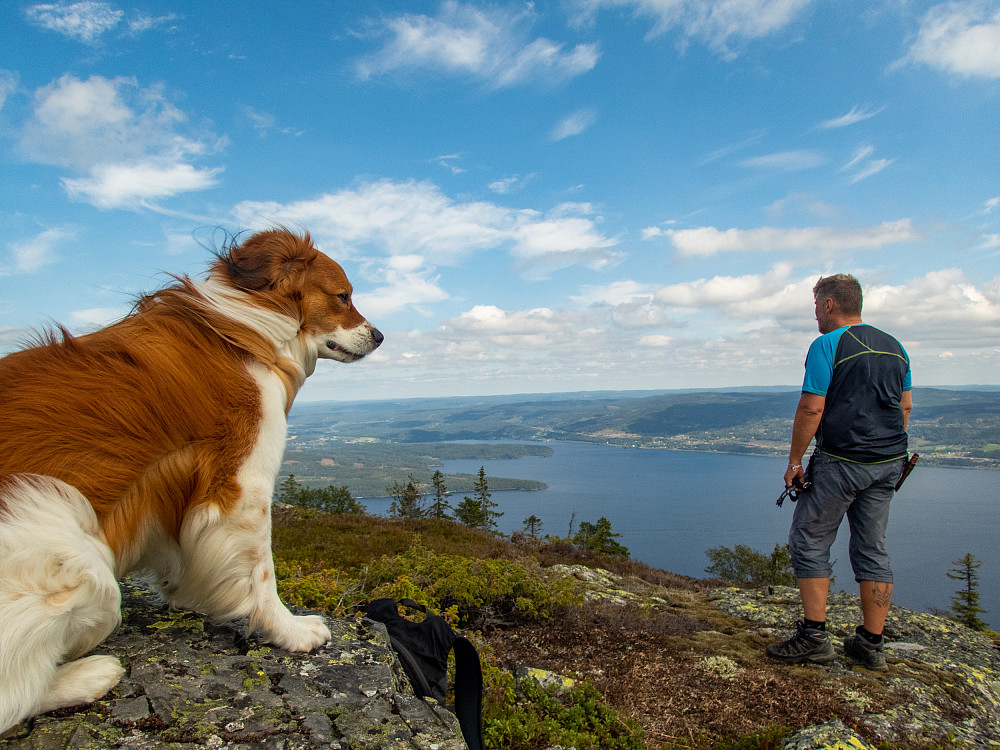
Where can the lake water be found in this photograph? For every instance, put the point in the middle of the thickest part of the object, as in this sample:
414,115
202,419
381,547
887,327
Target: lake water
671,506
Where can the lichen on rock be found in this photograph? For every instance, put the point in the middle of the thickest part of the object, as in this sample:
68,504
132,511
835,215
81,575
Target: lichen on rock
191,682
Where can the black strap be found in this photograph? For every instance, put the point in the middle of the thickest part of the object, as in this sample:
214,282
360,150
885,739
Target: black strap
469,692
468,670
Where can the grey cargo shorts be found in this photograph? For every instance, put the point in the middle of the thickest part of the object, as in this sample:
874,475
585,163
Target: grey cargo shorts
862,492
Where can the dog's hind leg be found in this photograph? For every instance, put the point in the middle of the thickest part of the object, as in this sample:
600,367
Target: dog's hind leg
58,599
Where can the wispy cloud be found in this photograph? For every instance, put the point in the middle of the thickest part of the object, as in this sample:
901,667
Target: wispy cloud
853,117
449,162
862,167
962,38
575,124
88,20
870,168
83,21
706,241
265,122
30,255
732,148
787,161
724,26
488,43
508,185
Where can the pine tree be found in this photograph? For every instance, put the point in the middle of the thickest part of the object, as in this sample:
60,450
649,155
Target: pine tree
406,502
490,514
440,506
288,490
338,500
470,512
599,538
533,526
965,602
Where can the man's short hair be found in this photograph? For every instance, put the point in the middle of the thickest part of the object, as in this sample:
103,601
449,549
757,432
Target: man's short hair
843,289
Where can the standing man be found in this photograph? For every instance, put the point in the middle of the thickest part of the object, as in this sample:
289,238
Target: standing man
856,401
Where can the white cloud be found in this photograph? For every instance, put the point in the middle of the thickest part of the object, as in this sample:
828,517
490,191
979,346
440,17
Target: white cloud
870,168
96,317
84,21
131,143
656,340
738,296
787,161
860,154
505,185
615,293
406,282
962,38
491,44
709,240
724,331
575,124
853,117
33,254
942,308
448,161
722,24
862,166
130,186
406,218
88,20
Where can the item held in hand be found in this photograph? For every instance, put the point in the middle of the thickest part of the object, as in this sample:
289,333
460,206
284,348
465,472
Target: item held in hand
793,492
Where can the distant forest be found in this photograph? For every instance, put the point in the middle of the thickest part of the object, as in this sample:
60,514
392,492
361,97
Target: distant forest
369,445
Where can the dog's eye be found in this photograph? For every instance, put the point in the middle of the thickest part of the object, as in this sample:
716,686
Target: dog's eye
345,297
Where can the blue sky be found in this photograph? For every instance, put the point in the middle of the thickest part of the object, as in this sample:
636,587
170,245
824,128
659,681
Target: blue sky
528,197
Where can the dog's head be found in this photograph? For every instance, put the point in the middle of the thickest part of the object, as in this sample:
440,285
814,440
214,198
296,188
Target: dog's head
285,272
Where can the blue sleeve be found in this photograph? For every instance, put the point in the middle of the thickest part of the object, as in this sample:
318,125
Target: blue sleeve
819,363
908,378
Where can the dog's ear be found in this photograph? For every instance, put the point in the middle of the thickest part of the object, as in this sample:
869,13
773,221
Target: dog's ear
273,261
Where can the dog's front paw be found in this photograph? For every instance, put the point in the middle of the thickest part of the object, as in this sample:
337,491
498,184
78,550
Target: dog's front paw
299,633
81,681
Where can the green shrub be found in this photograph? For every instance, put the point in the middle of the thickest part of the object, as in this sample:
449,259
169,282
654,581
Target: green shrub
525,716
458,587
466,585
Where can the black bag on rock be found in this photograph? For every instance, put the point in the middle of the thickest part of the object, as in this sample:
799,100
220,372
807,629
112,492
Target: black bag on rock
423,649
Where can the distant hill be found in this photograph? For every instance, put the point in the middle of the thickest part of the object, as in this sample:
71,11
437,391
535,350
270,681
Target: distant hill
955,427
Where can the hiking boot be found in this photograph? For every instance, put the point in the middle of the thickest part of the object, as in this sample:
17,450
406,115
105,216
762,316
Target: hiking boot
869,654
808,644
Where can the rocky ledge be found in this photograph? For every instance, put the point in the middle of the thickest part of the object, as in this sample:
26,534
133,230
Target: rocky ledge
944,679
942,688
193,682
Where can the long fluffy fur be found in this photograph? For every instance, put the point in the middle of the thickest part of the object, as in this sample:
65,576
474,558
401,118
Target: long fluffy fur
153,445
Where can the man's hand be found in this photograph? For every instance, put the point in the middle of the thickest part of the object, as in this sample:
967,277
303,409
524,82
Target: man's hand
793,472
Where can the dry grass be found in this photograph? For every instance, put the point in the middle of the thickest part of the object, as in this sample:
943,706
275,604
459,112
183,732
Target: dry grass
652,668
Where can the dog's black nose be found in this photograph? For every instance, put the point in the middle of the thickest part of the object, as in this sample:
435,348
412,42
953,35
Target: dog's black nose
377,336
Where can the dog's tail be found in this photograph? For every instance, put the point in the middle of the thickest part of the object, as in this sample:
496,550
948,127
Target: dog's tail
58,599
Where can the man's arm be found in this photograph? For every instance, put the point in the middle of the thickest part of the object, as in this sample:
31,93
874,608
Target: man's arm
906,404
808,414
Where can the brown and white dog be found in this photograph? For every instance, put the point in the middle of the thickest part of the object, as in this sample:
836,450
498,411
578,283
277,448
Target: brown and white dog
152,446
